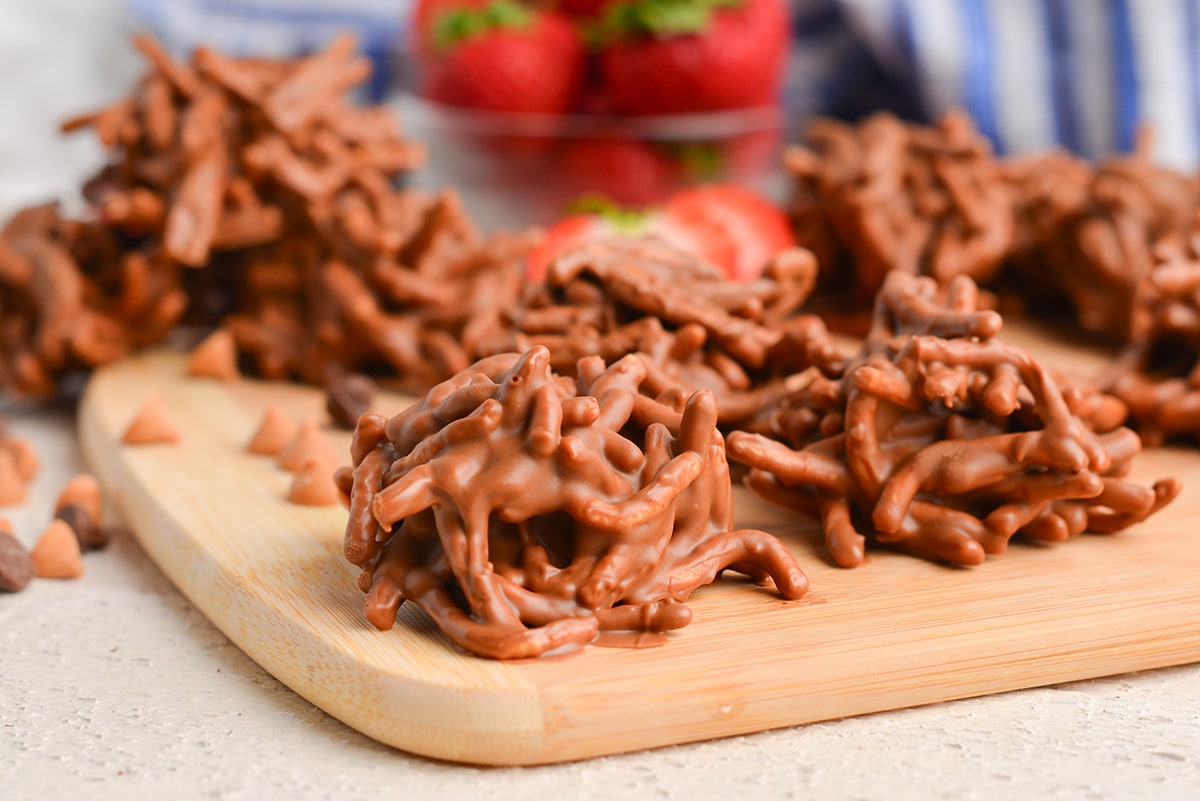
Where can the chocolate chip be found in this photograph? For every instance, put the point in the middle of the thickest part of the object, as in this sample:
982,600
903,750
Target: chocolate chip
347,398
16,565
91,535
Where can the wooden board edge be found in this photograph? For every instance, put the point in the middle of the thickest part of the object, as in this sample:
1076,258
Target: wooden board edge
811,704
472,726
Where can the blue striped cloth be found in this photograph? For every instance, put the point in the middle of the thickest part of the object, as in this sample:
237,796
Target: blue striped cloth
1033,73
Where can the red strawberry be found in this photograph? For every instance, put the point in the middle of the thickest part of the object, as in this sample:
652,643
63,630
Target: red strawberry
678,56
627,170
758,229
424,14
505,57
583,8
692,233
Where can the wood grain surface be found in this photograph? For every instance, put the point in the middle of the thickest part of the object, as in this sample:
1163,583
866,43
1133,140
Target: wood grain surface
896,632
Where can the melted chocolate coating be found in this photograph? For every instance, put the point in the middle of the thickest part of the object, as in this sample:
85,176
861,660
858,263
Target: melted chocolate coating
419,311
524,512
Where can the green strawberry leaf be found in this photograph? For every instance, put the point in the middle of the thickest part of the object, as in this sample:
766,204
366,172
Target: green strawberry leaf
639,18
702,161
630,221
457,25
673,17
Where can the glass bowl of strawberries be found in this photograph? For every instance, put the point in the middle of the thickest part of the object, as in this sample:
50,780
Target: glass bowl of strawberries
526,106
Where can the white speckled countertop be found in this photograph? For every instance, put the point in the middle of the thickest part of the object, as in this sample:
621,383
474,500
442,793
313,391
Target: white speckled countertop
115,687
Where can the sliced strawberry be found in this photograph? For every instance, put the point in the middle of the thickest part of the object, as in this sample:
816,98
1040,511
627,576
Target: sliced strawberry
726,226
595,217
565,234
627,170
601,218
756,228
693,231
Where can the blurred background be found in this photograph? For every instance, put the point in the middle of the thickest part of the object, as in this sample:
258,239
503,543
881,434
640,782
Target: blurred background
600,115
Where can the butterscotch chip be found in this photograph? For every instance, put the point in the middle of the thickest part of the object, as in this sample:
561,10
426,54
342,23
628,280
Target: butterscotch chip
25,457
83,491
347,398
274,432
313,484
16,566
309,443
12,486
152,425
18,464
56,554
215,357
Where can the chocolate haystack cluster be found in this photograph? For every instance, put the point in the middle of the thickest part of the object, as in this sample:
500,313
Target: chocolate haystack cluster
889,195
1111,243
248,192
1158,375
418,311
56,316
221,154
1090,234
525,512
944,442
1119,241
692,327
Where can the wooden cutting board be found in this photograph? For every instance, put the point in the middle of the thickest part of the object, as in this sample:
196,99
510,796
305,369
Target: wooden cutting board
896,632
